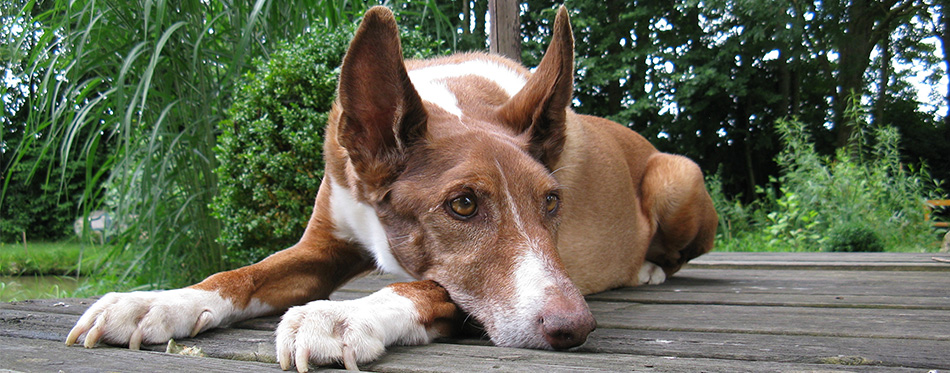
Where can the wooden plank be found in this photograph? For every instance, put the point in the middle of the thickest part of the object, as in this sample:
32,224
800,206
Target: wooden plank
772,299
467,358
824,282
31,355
895,352
866,323
35,355
710,286
258,345
687,299
821,261
68,306
748,319
861,289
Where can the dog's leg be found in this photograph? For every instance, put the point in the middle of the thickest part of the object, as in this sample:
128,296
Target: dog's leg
650,274
310,270
358,331
675,198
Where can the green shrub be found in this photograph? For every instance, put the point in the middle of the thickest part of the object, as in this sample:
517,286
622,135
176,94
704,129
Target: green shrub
270,146
854,238
35,205
832,203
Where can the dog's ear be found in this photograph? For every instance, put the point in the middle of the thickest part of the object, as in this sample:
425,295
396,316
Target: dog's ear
540,108
382,113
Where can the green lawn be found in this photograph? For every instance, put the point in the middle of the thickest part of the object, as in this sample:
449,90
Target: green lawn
46,269
48,258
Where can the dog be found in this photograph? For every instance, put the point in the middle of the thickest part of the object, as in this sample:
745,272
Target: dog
470,174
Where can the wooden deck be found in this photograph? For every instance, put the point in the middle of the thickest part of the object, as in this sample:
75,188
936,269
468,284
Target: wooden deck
726,312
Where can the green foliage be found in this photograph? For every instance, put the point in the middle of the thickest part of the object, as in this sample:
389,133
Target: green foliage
48,258
865,199
710,81
130,96
36,208
270,146
854,238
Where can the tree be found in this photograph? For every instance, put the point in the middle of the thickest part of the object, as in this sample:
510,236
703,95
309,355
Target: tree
505,35
710,82
859,26
942,30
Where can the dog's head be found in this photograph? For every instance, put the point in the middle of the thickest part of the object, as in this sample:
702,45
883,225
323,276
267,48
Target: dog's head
466,198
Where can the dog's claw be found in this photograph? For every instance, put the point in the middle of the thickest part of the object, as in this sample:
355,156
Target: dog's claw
135,341
303,360
284,359
95,333
203,321
349,358
75,333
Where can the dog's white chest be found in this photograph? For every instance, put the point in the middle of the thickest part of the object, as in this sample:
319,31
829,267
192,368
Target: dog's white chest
357,222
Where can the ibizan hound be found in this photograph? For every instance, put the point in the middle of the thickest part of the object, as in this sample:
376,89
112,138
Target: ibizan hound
471,174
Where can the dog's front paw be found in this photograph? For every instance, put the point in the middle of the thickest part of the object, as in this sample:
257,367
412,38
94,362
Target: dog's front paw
349,332
149,317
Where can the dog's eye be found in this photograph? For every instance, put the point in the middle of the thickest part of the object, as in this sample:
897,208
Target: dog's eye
464,206
551,203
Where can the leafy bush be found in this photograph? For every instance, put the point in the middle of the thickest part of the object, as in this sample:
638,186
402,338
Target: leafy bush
270,146
854,238
34,205
864,199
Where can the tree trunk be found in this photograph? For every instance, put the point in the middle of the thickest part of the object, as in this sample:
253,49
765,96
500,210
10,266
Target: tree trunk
885,80
944,30
796,89
466,17
742,123
505,35
615,92
638,72
854,50
785,82
480,8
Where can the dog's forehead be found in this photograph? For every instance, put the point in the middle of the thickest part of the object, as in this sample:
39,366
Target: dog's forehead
467,85
490,161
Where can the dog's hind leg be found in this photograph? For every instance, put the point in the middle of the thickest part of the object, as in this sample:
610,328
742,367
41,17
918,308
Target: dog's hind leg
675,199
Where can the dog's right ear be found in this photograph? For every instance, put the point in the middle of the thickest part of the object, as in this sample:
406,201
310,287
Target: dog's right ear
382,112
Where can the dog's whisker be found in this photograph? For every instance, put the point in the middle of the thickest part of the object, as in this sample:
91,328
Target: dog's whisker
559,169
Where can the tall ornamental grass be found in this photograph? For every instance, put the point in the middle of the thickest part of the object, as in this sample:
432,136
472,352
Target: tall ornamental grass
144,84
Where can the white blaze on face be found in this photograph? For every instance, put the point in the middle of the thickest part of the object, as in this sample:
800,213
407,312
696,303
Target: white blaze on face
430,81
532,277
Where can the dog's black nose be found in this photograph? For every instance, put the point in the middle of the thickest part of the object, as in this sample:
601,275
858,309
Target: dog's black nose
564,330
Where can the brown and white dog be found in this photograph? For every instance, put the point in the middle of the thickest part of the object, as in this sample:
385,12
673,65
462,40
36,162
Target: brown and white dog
470,174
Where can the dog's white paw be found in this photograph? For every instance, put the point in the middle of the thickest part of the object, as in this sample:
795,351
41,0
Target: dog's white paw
352,332
150,317
651,274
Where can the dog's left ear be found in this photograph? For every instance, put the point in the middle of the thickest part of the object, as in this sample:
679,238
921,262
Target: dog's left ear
382,112
540,108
